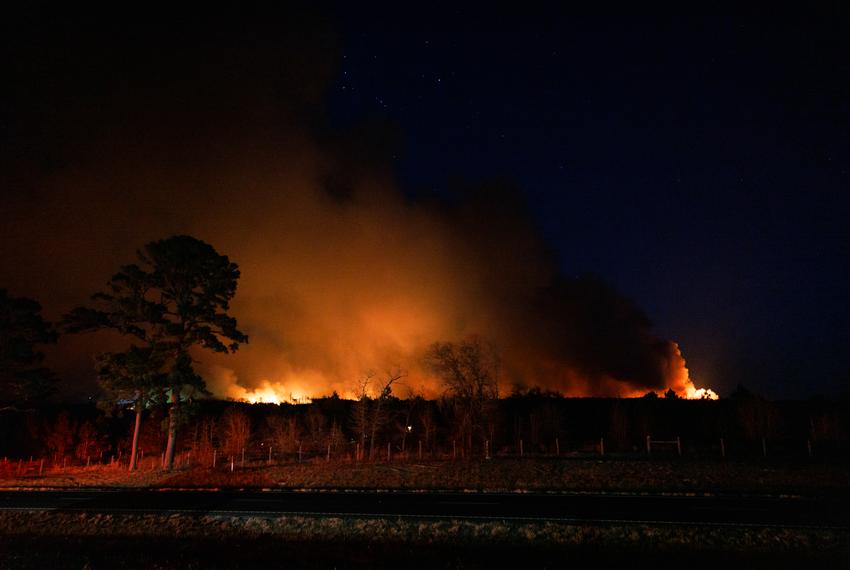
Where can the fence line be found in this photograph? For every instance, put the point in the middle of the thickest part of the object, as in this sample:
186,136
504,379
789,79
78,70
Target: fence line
255,456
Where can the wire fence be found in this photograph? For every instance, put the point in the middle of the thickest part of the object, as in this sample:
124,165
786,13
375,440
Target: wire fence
260,454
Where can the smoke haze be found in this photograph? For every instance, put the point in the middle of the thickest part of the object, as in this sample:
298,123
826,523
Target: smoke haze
341,270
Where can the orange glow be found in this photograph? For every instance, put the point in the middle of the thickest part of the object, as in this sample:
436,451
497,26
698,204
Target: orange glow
289,390
300,387
268,393
680,379
693,393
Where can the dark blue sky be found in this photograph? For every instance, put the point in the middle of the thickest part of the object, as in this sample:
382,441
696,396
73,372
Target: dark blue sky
697,161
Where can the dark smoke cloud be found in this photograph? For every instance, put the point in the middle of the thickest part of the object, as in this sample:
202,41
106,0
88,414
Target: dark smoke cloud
113,141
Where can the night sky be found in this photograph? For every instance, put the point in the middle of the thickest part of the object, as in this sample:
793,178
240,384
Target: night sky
697,161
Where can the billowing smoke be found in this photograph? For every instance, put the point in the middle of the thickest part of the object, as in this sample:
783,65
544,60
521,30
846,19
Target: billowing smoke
342,272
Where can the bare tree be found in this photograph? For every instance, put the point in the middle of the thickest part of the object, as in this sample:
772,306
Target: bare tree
316,422
334,439
405,423
378,417
90,441
426,418
284,432
60,439
203,438
369,414
469,370
237,430
360,411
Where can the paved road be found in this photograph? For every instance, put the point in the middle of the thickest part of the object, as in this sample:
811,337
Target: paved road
580,508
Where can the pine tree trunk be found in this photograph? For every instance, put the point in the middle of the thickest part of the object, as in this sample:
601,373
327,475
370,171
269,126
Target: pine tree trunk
136,430
172,433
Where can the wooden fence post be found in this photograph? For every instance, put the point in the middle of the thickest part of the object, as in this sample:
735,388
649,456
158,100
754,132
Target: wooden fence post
602,446
388,452
486,449
420,450
679,445
215,451
270,455
557,448
231,464
648,445
41,466
328,459
520,448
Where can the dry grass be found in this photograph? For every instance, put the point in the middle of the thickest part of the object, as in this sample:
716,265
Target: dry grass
503,474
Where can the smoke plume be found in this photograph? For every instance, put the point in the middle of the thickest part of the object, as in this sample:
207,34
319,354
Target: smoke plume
342,271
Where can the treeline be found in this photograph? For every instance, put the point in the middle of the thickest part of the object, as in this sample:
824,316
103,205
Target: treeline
381,428
173,304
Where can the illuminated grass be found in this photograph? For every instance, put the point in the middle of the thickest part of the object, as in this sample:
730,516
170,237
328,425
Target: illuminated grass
531,474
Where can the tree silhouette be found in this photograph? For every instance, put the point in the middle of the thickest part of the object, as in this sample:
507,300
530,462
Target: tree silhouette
61,436
22,330
129,308
378,417
135,375
174,299
469,371
236,431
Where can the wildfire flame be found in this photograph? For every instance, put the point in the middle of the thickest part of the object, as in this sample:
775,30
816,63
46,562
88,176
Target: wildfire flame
302,387
681,381
273,393
694,393
291,391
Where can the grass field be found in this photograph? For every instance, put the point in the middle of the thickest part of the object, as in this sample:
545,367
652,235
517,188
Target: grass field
502,474
92,540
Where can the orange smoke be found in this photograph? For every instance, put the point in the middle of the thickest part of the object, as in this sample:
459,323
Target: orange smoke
680,380
342,271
